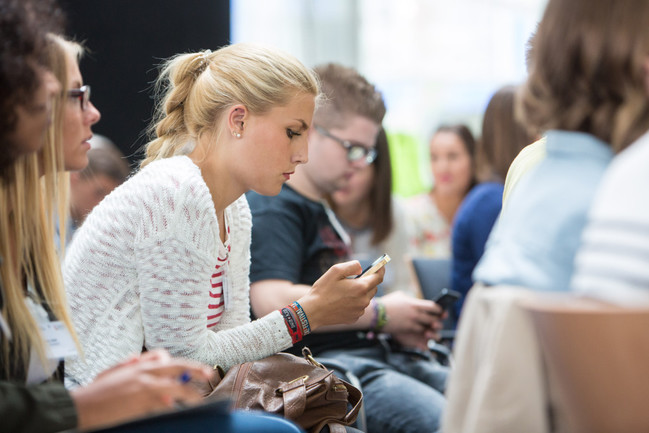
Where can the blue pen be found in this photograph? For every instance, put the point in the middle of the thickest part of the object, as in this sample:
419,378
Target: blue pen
185,377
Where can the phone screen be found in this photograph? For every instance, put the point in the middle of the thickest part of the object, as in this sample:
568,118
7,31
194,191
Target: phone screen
375,266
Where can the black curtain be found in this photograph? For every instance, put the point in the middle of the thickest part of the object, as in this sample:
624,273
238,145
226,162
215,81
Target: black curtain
127,39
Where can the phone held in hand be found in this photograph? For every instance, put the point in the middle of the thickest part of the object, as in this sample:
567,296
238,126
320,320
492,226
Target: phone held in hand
375,266
447,298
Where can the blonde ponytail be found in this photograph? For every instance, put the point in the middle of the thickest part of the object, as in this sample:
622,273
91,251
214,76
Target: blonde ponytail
195,89
175,84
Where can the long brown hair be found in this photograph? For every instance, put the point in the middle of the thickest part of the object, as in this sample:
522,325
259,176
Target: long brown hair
587,70
502,137
380,195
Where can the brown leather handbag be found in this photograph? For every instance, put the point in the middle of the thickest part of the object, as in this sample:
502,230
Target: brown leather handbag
300,389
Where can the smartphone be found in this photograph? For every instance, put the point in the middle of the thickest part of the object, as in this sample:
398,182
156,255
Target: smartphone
375,266
447,298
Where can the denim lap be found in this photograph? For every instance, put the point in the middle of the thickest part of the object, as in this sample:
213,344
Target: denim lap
401,393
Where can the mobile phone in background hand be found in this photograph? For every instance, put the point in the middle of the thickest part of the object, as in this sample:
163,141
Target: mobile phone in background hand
375,266
447,298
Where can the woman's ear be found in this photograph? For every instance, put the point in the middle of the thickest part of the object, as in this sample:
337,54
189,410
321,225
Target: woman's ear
237,116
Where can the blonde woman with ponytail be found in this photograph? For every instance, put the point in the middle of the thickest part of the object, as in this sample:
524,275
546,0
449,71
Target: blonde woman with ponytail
163,261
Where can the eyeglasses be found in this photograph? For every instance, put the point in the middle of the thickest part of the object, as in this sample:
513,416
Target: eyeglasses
355,151
83,93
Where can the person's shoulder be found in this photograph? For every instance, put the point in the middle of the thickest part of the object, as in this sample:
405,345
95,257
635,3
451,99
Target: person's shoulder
485,191
632,160
175,170
625,182
288,198
416,201
484,198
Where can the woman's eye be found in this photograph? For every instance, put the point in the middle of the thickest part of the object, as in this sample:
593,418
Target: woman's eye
292,133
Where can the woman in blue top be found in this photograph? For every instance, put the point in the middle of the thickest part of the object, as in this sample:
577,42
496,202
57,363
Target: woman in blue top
502,139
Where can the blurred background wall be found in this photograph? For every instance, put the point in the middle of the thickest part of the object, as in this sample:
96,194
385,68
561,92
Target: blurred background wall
127,40
435,61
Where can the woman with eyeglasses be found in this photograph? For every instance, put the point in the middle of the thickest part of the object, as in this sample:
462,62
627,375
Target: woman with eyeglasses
163,261
35,327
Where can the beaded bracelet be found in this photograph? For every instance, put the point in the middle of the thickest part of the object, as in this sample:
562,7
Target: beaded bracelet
382,317
301,315
375,318
294,329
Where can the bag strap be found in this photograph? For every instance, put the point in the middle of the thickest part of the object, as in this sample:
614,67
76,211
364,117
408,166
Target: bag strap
355,399
294,396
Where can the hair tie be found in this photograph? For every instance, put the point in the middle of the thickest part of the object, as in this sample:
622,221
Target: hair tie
203,62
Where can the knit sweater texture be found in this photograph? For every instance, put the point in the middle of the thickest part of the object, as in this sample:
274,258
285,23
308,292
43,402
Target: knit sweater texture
143,271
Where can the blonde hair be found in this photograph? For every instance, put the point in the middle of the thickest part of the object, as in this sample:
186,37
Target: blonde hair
56,181
35,187
194,90
587,70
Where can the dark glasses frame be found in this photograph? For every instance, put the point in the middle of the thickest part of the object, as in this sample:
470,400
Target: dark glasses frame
355,151
83,94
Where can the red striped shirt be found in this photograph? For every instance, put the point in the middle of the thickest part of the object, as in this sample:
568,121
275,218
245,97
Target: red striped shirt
216,306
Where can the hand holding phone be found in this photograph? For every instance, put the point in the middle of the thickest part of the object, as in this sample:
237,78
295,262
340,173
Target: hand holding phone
375,266
447,298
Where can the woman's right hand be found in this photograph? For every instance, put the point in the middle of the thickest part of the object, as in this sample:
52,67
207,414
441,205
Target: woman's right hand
337,299
137,387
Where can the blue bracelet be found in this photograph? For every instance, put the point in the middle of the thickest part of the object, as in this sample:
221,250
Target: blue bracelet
304,321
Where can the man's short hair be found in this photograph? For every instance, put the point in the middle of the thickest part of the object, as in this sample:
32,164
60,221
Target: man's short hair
346,93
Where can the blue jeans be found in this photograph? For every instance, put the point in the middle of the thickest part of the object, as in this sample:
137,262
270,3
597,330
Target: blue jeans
233,422
402,392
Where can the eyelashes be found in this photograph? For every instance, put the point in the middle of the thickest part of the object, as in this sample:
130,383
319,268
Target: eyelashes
290,133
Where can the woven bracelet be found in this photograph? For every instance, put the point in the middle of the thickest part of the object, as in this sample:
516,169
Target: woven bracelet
301,315
290,319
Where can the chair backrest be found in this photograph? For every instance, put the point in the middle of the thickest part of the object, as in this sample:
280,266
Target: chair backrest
431,274
597,354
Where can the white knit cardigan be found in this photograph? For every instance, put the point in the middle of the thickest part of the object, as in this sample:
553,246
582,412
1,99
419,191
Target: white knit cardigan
138,275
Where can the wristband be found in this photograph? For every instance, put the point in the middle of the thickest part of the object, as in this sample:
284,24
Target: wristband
382,317
375,318
301,315
292,325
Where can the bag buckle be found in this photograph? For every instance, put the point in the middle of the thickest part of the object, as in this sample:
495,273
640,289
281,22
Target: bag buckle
306,352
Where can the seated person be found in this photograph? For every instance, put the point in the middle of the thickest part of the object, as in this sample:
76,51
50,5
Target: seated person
430,215
106,170
374,219
502,139
163,261
296,237
535,240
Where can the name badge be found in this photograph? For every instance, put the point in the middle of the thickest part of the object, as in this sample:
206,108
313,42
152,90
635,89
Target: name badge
58,340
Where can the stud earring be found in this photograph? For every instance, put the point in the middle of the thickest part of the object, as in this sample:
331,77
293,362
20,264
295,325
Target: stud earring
236,134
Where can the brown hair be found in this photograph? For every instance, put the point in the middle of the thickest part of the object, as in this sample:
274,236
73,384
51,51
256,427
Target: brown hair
381,218
588,72
502,137
469,142
346,92
23,26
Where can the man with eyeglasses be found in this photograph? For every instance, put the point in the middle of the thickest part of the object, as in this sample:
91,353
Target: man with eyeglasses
296,238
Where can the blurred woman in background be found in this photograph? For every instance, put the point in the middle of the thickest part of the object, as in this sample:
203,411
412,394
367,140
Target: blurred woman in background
430,215
374,218
502,140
